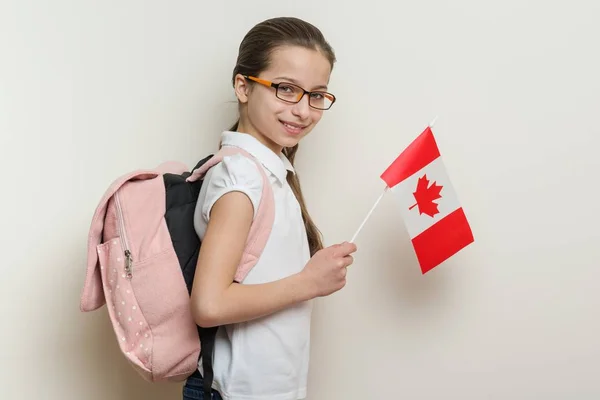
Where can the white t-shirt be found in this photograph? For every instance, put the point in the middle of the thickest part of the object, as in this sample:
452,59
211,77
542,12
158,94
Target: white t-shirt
266,358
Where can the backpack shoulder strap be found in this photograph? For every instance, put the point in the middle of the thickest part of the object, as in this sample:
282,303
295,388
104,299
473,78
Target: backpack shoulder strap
260,231
265,215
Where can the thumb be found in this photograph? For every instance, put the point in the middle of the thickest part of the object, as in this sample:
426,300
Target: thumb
348,247
338,249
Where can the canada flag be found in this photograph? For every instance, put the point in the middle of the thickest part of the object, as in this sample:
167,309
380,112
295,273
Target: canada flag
433,216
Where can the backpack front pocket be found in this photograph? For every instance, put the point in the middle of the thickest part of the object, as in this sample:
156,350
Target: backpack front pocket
158,285
129,323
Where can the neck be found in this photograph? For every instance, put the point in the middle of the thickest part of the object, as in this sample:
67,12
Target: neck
248,128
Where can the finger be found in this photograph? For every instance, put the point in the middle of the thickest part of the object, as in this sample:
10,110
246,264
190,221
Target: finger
336,250
348,248
348,260
343,249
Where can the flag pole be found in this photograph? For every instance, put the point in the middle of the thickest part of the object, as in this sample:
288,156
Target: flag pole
368,215
433,122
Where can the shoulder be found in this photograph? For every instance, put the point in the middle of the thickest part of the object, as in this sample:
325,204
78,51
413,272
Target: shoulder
235,169
234,173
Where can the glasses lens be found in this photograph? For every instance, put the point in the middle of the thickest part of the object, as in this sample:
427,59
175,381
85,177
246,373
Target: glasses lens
293,94
321,100
289,92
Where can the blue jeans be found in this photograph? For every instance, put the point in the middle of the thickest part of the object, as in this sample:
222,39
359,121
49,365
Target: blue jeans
193,389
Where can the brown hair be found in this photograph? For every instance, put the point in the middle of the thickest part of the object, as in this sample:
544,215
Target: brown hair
254,57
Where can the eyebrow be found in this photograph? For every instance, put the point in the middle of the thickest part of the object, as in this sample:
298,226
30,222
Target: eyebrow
292,80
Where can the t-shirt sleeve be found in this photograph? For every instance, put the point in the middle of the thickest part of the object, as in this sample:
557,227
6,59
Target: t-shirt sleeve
233,173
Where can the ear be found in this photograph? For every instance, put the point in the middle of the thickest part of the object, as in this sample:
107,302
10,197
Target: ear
242,88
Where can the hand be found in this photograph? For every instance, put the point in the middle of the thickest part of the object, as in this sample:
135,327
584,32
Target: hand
326,271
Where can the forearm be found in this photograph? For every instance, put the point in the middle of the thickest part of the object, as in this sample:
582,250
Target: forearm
240,302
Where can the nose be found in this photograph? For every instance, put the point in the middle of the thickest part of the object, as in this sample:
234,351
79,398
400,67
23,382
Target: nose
302,109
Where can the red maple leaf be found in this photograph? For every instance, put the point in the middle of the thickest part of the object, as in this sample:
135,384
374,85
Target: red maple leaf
425,195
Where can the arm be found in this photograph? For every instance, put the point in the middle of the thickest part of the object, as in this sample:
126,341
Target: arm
216,299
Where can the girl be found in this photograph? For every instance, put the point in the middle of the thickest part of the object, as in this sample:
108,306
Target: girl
262,350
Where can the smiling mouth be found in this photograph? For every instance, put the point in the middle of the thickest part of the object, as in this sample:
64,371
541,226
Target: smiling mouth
293,128
292,125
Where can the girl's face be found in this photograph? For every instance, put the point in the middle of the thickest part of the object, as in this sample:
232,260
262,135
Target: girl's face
273,121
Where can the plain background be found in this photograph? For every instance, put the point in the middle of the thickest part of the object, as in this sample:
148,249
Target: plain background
91,90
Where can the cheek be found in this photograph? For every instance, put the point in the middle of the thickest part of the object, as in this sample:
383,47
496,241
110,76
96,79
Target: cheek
316,116
268,107
261,110
279,109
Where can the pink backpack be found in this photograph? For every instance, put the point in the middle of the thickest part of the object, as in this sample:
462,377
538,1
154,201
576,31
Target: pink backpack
133,267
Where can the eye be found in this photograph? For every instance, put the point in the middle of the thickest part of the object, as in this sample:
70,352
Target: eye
286,89
317,96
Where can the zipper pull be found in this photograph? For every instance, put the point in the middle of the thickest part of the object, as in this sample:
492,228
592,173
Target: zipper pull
128,261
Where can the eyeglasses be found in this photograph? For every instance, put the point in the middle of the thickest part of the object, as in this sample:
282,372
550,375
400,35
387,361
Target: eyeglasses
292,93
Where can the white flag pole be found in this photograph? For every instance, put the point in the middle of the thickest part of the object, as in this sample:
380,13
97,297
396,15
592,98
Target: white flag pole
369,215
433,122
379,199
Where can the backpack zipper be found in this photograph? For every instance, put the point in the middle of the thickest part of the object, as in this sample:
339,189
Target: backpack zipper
122,235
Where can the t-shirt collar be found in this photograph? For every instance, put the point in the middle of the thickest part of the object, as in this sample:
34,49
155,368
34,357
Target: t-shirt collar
277,164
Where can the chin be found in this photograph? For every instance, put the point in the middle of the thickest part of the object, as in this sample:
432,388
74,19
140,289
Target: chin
287,141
